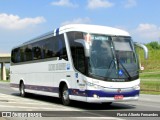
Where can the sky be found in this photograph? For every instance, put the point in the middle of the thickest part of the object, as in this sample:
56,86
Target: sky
22,20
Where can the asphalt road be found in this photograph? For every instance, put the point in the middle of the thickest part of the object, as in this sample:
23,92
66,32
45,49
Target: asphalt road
11,101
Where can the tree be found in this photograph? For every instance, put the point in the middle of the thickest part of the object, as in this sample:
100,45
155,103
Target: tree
154,45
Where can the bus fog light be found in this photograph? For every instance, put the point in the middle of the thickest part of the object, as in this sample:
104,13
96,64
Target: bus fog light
96,87
95,96
137,87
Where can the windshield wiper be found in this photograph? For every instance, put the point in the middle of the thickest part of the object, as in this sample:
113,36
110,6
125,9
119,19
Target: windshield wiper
118,62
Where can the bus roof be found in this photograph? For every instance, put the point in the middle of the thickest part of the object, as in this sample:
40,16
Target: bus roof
83,28
93,29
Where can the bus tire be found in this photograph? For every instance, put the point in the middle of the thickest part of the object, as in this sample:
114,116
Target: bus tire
65,95
22,90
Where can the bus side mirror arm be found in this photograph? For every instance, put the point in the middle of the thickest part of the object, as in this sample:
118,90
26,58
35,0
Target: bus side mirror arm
144,48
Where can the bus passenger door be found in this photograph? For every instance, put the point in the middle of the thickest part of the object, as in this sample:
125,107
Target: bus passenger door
77,56
79,64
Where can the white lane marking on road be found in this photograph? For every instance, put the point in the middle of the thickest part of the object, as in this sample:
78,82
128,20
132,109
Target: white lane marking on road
18,100
33,103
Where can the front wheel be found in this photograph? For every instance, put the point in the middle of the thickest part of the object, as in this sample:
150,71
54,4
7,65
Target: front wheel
22,90
65,95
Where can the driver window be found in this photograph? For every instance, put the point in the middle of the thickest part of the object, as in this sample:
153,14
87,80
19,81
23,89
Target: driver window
101,53
77,51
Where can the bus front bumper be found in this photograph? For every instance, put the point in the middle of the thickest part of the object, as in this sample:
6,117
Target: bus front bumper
110,99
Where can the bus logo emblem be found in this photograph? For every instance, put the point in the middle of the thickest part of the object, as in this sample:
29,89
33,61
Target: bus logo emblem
119,90
120,72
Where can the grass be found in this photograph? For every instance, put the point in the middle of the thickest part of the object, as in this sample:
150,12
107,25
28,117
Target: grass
150,83
150,92
4,80
150,75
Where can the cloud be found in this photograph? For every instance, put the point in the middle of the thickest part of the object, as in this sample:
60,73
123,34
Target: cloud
130,3
66,3
149,32
93,4
77,21
14,22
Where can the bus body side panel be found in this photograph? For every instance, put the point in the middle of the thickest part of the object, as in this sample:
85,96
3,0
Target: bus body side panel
39,78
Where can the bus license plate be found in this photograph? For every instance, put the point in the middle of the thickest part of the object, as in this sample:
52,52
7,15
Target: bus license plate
118,97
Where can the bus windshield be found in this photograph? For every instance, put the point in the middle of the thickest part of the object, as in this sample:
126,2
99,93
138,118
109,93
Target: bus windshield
112,58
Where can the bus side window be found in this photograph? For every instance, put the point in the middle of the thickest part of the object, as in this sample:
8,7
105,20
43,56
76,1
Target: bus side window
37,52
77,51
28,53
18,59
48,48
62,52
22,57
15,55
80,58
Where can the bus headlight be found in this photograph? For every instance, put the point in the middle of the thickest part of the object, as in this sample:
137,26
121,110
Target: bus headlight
137,87
96,86
92,85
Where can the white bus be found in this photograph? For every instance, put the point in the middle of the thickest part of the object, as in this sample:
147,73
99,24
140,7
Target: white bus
89,63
